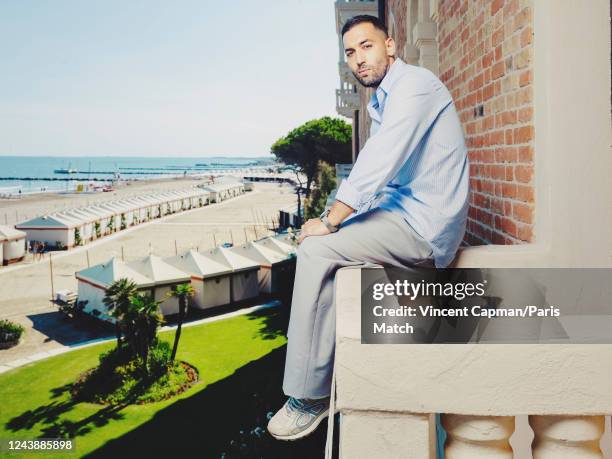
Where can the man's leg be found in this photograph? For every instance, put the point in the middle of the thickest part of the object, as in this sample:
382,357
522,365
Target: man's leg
377,236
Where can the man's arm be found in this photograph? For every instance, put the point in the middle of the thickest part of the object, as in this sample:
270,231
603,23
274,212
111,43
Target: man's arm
315,227
408,114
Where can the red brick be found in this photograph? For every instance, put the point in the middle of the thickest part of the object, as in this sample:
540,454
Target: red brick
525,233
496,5
508,154
523,134
509,190
526,36
523,174
498,238
498,172
498,53
497,206
524,193
487,186
522,212
525,78
498,70
523,18
497,138
525,154
525,114
498,189
509,117
498,36
508,226
507,208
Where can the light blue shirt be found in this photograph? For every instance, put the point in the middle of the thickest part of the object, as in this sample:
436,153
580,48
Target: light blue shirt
415,160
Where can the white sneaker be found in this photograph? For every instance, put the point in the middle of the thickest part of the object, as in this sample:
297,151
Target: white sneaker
298,418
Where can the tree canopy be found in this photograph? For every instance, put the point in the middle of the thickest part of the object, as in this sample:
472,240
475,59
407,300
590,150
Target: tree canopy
326,139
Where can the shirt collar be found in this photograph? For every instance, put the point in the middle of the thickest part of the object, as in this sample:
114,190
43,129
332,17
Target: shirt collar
378,98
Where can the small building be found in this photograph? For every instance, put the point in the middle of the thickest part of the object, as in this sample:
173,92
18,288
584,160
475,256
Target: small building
275,266
282,242
55,230
93,282
210,278
165,277
12,245
244,280
223,190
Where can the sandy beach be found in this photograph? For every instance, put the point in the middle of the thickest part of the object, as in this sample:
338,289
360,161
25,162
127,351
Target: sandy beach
26,290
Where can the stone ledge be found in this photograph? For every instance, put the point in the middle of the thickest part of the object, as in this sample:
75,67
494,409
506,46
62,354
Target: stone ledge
478,379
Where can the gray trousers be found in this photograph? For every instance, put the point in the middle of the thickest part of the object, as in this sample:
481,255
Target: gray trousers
377,236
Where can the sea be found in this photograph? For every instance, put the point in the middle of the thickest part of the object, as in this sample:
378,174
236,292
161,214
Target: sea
35,174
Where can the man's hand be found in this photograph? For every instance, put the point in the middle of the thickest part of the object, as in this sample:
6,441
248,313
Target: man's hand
313,227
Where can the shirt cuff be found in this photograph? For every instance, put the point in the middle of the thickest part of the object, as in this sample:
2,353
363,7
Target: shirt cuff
349,195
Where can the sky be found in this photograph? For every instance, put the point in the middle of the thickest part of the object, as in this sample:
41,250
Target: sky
162,78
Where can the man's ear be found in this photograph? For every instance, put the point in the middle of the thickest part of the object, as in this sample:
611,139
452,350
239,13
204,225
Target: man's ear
390,45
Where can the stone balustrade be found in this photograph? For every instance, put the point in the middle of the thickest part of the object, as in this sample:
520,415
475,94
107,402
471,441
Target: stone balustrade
388,394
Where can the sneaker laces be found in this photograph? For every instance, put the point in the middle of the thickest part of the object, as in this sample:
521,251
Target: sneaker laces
305,405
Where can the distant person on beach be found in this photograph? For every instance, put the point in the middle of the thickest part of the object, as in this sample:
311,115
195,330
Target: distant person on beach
404,204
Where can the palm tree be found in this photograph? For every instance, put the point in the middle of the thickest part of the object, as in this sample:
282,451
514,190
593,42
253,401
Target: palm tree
117,300
141,323
182,292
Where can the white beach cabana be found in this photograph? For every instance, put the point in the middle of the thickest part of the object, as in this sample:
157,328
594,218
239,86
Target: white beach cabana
165,277
86,227
222,190
54,230
281,242
244,280
93,282
210,278
275,266
12,245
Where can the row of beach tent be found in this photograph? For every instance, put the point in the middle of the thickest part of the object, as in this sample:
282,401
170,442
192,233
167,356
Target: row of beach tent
219,276
80,225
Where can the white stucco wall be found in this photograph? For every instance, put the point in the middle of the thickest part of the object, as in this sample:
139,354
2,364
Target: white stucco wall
210,293
245,285
12,250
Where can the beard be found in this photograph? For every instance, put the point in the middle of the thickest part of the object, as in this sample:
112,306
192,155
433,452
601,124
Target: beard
376,76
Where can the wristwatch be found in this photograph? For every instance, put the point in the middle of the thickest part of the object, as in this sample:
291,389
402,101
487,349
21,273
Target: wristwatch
327,223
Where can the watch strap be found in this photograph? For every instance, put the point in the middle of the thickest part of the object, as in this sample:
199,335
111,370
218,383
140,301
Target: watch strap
328,224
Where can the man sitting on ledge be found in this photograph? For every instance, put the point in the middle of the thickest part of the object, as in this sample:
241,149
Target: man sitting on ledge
403,204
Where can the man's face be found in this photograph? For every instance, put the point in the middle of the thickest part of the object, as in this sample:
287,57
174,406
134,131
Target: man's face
368,53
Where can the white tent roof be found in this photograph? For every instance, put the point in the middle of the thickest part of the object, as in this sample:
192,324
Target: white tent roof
98,211
237,261
277,246
217,187
259,253
158,270
105,274
82,215
115,206
57,220
200,264
10,234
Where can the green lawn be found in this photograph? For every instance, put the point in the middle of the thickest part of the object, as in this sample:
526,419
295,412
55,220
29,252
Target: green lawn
238,359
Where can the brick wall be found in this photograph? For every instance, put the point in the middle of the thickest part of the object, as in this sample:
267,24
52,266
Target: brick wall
485,55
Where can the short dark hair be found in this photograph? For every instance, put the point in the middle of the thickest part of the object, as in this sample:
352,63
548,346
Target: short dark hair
360,19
